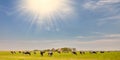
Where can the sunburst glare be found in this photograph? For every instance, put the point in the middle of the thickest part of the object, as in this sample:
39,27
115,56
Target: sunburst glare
45,12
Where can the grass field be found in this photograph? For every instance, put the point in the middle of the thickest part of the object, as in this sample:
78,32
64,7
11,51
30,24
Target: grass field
6,55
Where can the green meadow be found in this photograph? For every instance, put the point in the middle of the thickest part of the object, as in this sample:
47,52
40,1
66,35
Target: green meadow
113,55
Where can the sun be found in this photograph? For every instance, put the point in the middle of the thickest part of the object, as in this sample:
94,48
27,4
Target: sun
43,7
45,12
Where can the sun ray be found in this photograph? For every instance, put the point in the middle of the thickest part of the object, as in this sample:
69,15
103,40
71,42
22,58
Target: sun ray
45,12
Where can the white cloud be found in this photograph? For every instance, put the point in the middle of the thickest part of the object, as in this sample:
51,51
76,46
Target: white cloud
100,44
100,41
109,1
110,20
4,10
100,36
99,4
113,35
108,9
81,37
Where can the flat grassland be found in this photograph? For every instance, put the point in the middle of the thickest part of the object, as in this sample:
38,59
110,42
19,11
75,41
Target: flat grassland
113,55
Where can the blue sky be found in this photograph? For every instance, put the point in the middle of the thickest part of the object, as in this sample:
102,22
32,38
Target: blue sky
94,25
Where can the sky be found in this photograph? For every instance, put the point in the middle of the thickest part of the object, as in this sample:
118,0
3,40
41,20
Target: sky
81,24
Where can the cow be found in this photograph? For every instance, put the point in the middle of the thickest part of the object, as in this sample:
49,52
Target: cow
42,53
27,52
50,53
82,52
74,51
13,52
19,51
59,50
93,52
101,51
